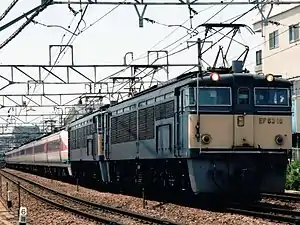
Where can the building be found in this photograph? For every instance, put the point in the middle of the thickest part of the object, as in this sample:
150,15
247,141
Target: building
280,50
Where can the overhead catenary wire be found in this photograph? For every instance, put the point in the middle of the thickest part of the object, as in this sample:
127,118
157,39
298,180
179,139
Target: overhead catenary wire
170,44
71,40
165,47
236,18
9,8
276,53
264,42
24,25
155,45
68,43
30,99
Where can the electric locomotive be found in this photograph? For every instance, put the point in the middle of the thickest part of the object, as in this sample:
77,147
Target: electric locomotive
239,138
225,132
213,132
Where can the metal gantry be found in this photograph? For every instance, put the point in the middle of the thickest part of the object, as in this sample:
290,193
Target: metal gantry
58,101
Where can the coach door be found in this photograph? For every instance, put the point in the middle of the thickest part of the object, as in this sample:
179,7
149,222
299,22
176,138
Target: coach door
243,119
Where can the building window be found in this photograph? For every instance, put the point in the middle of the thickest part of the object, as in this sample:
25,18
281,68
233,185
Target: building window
294,33
258,57
273,40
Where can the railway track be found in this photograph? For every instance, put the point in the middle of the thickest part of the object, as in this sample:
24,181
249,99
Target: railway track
91,210
283,196
266,212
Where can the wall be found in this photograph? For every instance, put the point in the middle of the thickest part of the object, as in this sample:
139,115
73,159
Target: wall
284,59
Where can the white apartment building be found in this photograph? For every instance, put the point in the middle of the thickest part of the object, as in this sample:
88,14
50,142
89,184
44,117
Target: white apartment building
279,52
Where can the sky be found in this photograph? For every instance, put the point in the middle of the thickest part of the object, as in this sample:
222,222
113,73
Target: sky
106,41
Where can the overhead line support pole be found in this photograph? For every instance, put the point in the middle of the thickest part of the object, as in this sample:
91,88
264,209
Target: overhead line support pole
260,5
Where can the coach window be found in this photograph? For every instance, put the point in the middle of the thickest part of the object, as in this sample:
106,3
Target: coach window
243,96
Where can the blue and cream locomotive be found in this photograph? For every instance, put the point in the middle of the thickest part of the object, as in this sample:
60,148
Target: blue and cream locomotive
230,132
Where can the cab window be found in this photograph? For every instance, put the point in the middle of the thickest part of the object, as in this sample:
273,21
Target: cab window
219,96
243,96
272,97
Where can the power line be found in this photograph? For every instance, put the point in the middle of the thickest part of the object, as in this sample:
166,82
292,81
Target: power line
275,53
262,43
35,14
142,55
174,3
100,19
169,44
106,14
14,2
237,18
77,27
30,99
54,26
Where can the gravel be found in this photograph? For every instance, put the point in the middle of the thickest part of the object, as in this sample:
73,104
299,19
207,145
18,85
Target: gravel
180,214
39,212
287,204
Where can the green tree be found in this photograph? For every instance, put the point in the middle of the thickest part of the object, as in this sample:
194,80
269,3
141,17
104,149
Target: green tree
293,176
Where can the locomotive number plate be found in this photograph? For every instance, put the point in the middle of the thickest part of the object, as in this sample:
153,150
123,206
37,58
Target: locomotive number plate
270,120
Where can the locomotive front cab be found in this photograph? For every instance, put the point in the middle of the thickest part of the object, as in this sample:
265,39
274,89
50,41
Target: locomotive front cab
239,112
238,133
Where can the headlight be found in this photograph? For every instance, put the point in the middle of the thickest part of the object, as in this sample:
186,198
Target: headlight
205,139
269,77
279,139
215,76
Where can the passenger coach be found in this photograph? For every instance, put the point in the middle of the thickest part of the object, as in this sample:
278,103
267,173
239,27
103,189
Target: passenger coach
46,155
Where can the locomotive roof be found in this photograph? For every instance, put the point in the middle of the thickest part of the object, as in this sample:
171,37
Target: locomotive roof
225,79
191,78
244,79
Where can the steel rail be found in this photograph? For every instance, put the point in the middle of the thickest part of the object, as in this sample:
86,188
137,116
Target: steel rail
283,196
63,206
107,208
266,212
